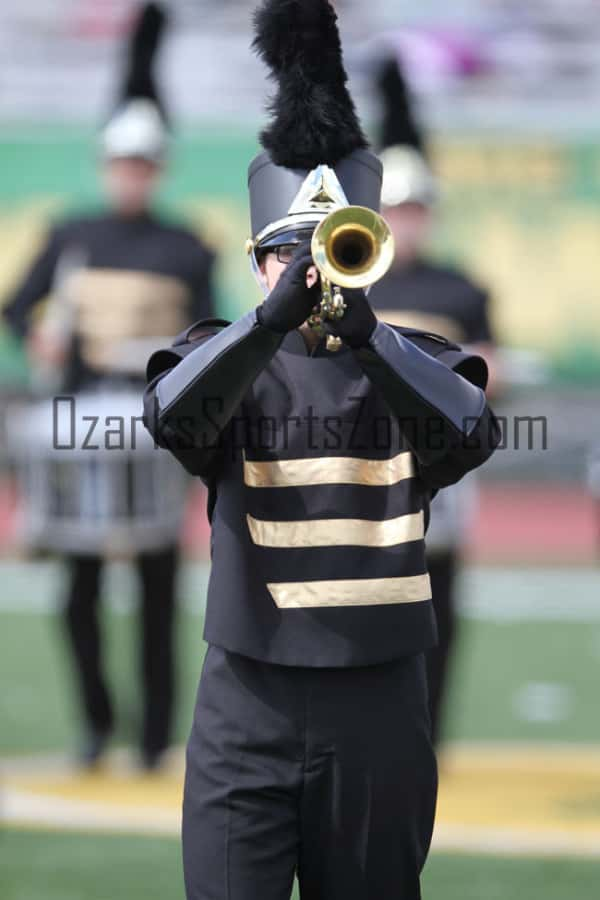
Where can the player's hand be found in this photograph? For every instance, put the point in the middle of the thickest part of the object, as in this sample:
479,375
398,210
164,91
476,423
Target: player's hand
291,301
358,322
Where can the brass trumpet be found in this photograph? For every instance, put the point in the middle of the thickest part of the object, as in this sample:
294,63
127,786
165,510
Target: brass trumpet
352,247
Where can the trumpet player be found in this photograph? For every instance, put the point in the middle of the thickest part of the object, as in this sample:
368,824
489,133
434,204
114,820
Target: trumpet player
321,435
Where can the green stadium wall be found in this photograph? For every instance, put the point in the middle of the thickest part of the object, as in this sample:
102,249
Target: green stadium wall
523,217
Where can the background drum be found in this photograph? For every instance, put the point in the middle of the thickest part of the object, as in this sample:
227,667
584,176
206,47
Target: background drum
91,479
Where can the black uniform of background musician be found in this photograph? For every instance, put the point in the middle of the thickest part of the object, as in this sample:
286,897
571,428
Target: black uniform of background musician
421,293
310,752
133,275
128,277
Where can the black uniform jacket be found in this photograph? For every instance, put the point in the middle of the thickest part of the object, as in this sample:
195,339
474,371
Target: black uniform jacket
119,280
320,468
436,298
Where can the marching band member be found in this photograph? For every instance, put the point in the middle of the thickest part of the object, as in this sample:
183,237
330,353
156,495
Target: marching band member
310,751
421,293
122,280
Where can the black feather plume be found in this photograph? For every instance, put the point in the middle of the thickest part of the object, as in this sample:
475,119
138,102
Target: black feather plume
313,117
144,43
399,124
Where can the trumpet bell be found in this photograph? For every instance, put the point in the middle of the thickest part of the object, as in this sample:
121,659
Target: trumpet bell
353,247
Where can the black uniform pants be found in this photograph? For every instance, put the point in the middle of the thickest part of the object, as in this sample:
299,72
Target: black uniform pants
442,569
157,573
327,773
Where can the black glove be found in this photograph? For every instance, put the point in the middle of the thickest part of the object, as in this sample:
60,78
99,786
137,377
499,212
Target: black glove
290,302
358,322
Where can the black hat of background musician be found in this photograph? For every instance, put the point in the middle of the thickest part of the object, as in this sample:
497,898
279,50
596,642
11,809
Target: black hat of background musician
316,156
138,127
407,177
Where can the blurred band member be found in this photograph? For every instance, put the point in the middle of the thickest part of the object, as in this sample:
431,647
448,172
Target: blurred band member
310,752
420,293
132,279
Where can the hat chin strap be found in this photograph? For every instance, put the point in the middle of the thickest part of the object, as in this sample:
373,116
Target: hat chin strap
258,275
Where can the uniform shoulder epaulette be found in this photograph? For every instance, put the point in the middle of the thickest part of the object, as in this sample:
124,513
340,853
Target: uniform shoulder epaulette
416,334
200,329
469,365
163,360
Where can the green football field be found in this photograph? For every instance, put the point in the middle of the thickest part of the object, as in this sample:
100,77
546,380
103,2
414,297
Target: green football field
520,798
39,866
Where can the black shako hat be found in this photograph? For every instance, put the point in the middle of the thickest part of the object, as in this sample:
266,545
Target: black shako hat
138,125
316,157
407,177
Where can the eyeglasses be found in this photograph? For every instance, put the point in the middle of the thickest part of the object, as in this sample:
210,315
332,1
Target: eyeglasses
285,253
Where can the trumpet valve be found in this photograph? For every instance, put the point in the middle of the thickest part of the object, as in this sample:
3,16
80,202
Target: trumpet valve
338,304
333,305
326,303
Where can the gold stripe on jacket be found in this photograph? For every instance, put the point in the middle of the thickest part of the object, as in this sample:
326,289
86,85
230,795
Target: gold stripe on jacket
354,592
338,532
329,470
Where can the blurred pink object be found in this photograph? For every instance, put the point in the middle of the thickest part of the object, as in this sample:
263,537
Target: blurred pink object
438,57
110,18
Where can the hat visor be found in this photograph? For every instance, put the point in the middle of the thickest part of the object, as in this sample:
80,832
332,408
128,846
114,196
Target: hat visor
291,236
